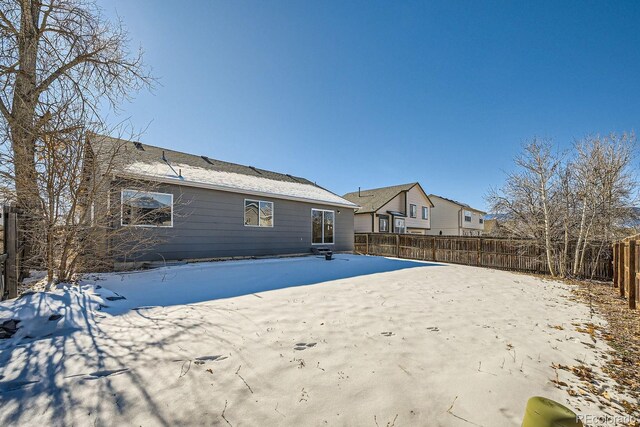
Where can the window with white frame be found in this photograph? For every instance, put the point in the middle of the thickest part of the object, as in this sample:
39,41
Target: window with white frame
146,209
467,216
258,213
383,223
425,212
413,211
322,226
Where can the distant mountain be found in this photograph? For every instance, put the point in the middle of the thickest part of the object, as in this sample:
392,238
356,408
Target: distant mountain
634,223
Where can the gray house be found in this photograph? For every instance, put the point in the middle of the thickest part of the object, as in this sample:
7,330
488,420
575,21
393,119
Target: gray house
202,208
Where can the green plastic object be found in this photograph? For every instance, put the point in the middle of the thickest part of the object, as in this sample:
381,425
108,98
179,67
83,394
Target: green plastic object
543,412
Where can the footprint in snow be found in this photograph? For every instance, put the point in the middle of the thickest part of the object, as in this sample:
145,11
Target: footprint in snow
15,385
106,373
303,345
202,359
387,334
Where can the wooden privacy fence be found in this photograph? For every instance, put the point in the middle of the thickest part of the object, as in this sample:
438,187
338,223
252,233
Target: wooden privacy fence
626,266
499,253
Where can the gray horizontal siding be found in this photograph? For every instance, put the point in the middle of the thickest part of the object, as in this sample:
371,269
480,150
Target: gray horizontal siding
210,224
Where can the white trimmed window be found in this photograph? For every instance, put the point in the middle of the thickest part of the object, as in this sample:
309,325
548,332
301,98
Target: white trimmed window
425,212
413,211
322,226
146,209
467,216
258,213
383,223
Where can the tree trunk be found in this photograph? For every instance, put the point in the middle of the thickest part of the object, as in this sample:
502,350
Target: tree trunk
565,250
23,126
547,226
576,255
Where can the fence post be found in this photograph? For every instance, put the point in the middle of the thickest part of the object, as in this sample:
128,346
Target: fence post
424,252
614,262
620,272
631,275
479,251
625,270
11,245
397,245
433,249
367,249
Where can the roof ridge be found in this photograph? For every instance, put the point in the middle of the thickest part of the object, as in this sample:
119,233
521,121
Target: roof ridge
212,159
464,205
384,188
257,169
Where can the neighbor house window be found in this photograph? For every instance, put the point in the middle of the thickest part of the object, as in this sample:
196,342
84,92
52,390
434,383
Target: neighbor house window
383,222
481,221
146,209
413,211
425,212
258,213
467,216
322,226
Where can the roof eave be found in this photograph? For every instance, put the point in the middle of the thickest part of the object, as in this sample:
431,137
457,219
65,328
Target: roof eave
467,207
231,189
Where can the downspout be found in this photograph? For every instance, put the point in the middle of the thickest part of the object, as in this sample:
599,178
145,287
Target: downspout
407,214
406,203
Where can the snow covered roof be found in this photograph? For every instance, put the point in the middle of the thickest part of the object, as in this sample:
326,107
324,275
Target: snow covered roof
175,167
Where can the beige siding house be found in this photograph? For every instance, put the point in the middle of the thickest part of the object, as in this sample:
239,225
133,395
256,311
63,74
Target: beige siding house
452,218
402,208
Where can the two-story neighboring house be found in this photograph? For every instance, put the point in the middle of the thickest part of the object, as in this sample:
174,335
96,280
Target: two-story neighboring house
452,218
402,208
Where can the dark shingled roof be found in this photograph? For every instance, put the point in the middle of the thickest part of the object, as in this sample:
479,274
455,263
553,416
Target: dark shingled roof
145,153
374,199
455,202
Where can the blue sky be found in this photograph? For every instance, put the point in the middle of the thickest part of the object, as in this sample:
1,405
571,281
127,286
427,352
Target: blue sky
375,93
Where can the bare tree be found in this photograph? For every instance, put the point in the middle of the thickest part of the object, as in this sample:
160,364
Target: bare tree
604,187
573,205
529,194
60,62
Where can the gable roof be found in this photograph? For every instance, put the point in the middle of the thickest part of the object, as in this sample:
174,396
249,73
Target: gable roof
462,205
373,199
140,160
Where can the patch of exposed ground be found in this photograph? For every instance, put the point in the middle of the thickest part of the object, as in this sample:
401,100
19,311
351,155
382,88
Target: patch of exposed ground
622,332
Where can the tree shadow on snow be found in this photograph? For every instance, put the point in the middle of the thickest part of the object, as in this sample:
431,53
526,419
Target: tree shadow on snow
78,373
94,369
200,282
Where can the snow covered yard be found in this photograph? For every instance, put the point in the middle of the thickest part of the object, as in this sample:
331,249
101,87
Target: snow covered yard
372,341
